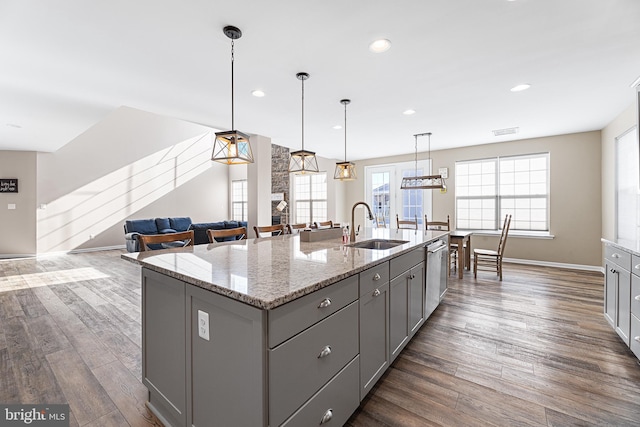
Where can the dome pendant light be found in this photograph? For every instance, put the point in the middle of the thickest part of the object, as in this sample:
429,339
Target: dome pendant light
303,161
345,171
232,147
427,182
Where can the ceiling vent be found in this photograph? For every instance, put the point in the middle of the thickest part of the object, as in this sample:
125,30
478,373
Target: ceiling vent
502,132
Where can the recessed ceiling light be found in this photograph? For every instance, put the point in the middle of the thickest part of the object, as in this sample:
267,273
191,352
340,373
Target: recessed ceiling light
506,131
337,127
409,112
520,88
379,46
257,93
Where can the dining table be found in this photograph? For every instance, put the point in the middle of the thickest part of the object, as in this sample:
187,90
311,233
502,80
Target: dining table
461,238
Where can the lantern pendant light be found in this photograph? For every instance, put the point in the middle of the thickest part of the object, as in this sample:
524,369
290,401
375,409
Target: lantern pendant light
232,147
345,171
303,161
427,182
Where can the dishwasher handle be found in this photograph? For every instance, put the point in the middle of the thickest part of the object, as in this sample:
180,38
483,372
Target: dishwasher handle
434,248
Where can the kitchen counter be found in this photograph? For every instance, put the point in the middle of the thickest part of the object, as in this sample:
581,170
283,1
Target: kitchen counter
279,332
269,272
632,246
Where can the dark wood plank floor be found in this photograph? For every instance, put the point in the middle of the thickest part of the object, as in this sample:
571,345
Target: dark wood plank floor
531,350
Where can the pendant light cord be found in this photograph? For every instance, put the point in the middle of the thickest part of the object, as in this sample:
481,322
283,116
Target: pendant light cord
302,80
233,127
345,132
415,174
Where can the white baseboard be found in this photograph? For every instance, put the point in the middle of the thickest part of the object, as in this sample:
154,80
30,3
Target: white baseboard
555,264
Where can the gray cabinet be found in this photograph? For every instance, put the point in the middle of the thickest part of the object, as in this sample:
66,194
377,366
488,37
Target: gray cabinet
634,337
617,296
374,325
406,300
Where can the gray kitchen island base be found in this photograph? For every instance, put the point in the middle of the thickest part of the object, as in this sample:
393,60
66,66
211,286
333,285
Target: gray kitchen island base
209,359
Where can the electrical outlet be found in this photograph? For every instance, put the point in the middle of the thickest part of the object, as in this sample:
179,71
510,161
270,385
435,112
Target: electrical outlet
203,325
11,206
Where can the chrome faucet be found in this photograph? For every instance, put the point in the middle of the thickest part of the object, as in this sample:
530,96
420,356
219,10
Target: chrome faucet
353,211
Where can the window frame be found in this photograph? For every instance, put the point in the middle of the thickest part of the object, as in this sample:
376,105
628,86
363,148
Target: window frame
498,196
313,200
244,202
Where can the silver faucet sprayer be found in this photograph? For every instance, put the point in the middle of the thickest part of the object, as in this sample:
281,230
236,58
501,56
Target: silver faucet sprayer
353,210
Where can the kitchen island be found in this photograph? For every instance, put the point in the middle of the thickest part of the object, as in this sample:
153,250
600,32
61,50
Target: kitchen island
275,331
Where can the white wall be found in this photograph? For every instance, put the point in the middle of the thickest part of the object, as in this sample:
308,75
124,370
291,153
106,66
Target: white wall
132,164
17,226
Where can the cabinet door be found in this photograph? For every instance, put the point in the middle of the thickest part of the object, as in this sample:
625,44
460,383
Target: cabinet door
163,345
416,298
374,336
610,285
399,313
623,311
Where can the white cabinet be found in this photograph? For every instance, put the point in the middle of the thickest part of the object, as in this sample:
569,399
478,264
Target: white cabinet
617,296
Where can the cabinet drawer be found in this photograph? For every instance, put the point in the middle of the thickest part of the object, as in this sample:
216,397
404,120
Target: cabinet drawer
335,402
635,265
635,295
404,262
618,256
298,368
634,339
373,278
294,317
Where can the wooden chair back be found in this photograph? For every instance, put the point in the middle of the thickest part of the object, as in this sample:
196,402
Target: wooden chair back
380,221
503,237
407,223
296,227
437,225
278,229
323,224
184,238
227,232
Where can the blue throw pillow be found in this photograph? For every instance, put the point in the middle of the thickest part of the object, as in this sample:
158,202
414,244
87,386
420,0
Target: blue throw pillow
180,223
142,226
162,223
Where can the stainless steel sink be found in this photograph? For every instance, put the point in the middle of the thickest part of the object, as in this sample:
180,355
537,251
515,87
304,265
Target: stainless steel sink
379,244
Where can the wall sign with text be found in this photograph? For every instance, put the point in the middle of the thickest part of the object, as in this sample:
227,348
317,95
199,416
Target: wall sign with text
8,185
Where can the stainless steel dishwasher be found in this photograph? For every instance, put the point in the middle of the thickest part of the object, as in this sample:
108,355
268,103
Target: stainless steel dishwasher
437,274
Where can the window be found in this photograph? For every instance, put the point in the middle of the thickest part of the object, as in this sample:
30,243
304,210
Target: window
239,200
489,189
310,191
386,198
627,195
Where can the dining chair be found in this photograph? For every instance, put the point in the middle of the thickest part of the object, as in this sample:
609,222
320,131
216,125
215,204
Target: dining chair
296,227
165,241
487,259
407,223
453,248
323,224
273,230
240,233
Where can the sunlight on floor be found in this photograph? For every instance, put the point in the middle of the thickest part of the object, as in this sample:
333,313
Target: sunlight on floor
49,278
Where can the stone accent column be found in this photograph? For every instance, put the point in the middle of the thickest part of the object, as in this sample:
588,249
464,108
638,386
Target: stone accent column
280,179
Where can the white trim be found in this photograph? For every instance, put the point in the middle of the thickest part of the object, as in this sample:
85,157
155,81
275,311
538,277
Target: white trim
516,234
555,264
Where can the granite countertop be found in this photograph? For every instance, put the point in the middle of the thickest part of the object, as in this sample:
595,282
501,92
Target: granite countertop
632,246
272,271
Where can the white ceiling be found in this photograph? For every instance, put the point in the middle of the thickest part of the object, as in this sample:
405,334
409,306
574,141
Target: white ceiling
66,64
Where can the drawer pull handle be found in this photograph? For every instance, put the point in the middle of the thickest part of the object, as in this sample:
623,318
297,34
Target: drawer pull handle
637,339
637,267
327,416
411,276
637,298
612,270
376,292
325,303
325,352
615,256
376,277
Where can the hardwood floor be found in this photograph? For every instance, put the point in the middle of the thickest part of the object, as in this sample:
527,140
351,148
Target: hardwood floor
533,349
